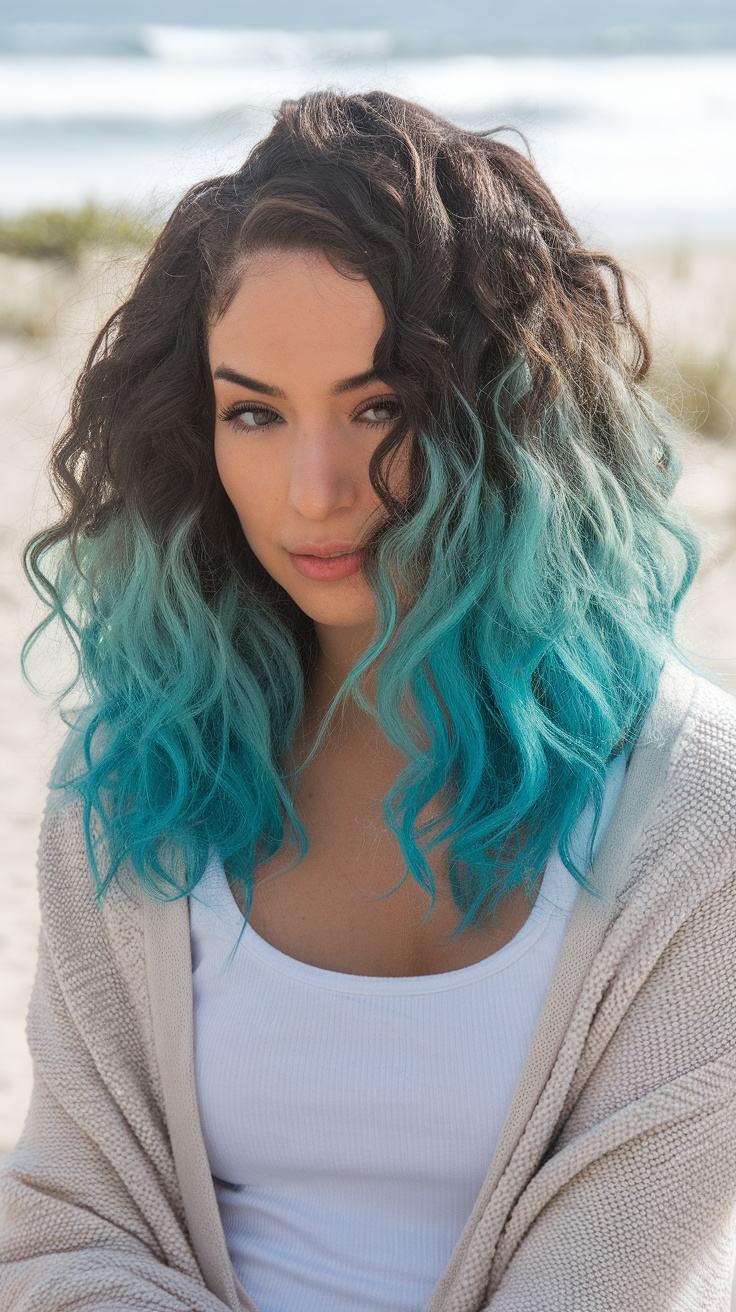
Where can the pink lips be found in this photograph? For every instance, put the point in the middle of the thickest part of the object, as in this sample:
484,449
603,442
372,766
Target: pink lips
316,560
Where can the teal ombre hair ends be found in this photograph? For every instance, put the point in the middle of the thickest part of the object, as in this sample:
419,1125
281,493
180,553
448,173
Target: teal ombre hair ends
189,706
526,589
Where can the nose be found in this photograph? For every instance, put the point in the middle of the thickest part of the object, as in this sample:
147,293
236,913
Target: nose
324,476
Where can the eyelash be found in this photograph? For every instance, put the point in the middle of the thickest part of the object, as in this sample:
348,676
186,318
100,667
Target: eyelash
249,407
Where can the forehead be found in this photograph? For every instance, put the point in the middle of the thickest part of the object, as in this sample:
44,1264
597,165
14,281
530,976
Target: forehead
290,301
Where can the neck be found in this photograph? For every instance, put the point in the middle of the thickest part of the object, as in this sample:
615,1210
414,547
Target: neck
338,651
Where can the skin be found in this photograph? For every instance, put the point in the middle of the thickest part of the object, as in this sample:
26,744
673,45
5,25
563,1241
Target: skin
295,467
301,327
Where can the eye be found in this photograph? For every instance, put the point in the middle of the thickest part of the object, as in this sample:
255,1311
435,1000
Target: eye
248,417
382,410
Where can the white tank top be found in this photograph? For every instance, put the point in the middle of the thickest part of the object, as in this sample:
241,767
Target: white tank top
350,1120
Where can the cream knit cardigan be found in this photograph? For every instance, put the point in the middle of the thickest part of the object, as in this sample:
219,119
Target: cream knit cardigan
613,1185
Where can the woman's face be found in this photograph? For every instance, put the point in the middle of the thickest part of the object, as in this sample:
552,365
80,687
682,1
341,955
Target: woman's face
299,414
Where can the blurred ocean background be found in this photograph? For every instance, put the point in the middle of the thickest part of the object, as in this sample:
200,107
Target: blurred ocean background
629,109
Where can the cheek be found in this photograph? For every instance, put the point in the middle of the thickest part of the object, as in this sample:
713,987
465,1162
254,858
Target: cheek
224,462
243,481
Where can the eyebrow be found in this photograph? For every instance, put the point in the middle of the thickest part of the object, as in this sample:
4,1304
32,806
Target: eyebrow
266,389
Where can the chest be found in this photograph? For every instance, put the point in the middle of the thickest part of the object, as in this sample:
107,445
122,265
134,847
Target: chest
344,907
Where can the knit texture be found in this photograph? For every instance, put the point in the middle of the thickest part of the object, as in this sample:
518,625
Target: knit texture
614,1185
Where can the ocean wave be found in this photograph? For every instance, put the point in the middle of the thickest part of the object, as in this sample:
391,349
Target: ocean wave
194,45
655,92
221,45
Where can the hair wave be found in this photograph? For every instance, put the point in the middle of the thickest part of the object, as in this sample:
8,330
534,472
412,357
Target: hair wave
526,589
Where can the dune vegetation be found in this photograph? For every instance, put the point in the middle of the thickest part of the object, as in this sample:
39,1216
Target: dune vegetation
66,234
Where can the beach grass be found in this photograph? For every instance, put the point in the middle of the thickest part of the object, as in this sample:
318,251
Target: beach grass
66,234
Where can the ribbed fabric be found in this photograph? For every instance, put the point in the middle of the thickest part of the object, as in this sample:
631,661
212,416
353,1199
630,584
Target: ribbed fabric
350,1120
613,1185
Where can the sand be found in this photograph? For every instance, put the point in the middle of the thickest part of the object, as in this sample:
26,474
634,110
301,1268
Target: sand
47,318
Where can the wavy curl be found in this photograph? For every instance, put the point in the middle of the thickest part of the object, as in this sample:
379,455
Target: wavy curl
526,590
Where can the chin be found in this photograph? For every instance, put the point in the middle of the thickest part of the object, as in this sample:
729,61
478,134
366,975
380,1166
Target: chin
340,605
338,616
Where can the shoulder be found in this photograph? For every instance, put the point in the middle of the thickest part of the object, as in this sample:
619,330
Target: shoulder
95,945
690,708
67,839
701,781
686,762
707,740
64,871
689,741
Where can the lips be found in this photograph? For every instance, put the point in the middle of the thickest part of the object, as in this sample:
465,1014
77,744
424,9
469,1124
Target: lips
325,562
335,547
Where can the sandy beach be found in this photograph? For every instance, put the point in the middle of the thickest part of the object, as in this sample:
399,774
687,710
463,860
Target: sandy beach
47,318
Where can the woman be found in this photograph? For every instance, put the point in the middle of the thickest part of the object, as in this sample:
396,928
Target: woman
388,877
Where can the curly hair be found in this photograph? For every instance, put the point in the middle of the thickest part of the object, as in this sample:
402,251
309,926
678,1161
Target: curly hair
526,590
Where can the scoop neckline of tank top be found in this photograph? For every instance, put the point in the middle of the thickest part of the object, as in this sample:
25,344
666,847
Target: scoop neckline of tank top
343,982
